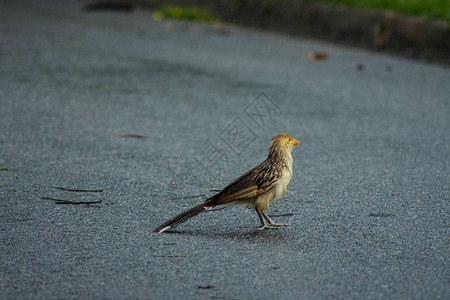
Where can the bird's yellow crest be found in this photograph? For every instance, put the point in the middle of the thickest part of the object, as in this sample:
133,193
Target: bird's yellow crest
286,138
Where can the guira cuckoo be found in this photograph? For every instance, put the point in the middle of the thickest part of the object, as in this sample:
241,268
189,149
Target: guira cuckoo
256,188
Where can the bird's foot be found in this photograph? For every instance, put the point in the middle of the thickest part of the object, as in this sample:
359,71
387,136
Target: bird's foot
274,225
270,226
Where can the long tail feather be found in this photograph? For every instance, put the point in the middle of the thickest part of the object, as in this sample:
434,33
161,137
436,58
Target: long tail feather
184,216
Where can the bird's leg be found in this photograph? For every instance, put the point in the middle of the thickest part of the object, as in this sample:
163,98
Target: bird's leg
267,222
271,223
264,225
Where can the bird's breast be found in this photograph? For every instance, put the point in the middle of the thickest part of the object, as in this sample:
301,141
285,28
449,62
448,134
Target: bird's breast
262,202
283,183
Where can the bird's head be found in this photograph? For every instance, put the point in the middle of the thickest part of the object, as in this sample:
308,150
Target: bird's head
284,140
281,143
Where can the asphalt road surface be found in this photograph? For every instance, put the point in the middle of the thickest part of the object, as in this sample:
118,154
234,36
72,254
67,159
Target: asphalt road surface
146,118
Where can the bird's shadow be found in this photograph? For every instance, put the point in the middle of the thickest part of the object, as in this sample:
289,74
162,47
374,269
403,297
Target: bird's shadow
254,235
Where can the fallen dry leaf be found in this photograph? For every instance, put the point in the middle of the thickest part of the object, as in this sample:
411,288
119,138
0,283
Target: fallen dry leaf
169,26
318,55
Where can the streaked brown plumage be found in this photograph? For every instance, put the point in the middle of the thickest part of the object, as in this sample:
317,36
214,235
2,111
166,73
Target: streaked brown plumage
256,188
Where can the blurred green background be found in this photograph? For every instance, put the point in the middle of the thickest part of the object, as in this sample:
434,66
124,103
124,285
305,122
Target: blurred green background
428,8
438,9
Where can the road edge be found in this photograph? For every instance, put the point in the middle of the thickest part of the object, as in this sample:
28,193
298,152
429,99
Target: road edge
384,31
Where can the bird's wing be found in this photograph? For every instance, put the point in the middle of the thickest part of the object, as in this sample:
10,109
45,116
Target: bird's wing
253,183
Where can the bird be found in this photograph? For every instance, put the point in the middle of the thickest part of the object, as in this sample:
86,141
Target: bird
256,188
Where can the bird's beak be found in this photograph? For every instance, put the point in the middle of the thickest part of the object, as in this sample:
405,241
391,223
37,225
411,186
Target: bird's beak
295,142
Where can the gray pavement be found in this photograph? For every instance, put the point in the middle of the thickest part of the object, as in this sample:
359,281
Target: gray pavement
131,110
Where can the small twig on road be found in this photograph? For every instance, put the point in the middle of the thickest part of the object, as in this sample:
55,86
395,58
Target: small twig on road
61,201
135,136
78,190
206,287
